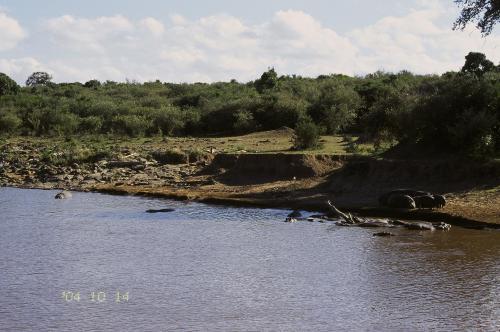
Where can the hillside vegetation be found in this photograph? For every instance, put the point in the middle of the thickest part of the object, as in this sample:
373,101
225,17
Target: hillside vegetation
457,112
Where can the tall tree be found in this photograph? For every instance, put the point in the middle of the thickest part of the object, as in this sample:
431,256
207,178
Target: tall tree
477,64
38,78
486,13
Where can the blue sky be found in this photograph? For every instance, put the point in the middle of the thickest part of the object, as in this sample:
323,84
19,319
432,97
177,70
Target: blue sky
222,39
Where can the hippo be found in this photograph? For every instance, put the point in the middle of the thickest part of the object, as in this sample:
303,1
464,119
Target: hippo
384,199
440,201
401,202
63,195
383,234
295,214
159,211
425,202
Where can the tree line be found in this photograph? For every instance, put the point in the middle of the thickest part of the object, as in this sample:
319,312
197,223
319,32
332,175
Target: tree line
454,112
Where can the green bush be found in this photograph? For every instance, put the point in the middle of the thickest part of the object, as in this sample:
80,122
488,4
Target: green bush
9,122
130,125
306,135
90,125
170,157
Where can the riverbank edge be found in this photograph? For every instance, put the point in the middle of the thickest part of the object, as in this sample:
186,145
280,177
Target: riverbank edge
311,204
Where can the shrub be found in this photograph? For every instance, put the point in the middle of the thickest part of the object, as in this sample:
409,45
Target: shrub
170,157
90,125
306,135
9,122
131,125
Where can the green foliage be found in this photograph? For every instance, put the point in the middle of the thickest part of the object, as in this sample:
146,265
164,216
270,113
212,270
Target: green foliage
73,152
38,79
306,135
454,112
174,156
477,64
130,125
93,84
90,125
168,120
336,107
9,122
243,122
485,12
268,81
7,85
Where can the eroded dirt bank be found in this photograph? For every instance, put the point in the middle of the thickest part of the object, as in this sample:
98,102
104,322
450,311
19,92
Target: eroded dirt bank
270,180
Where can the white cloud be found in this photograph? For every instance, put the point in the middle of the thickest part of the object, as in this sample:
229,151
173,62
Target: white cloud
11,32
154,26
416,42
19,69
94,35
221,47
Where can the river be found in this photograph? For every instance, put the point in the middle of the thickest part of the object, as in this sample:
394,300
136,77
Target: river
100,263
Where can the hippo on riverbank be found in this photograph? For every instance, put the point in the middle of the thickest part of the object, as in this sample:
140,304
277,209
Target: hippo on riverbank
63,195
384,198
401,202
423,199
425,202
440,201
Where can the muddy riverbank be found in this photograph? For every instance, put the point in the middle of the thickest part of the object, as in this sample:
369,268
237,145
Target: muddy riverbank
296,181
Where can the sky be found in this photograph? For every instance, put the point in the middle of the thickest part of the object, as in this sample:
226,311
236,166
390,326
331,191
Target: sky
220,40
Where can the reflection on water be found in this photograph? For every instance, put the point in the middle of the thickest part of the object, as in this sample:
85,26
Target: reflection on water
214,268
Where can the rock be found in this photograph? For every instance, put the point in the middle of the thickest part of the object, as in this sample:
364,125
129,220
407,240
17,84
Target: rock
124,164
420,226
374,223
443,226
94,176
63,195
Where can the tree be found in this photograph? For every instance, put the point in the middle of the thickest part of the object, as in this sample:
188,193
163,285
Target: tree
7,85
92,84
477,64
485,12
38,78
268,81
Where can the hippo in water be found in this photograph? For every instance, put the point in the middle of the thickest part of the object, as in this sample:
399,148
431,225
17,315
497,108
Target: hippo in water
63,195
295,214
401,202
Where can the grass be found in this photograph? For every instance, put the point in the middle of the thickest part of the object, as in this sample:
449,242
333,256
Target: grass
276,141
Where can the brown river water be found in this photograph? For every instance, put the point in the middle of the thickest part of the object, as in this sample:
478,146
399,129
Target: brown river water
100,263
